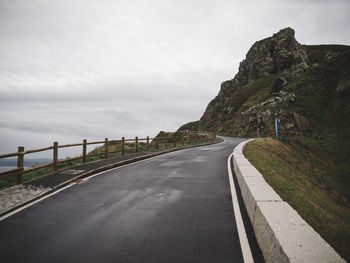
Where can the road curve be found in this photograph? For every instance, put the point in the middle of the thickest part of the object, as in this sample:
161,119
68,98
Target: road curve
172,208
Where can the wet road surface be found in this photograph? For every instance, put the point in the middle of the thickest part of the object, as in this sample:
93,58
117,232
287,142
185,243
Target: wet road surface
172,208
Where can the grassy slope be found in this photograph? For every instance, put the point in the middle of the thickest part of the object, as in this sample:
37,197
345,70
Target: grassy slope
190,126
314,178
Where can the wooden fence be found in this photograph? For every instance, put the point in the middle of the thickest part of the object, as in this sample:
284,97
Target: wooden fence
123,147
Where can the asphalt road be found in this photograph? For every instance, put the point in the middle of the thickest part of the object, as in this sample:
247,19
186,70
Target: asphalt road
172,208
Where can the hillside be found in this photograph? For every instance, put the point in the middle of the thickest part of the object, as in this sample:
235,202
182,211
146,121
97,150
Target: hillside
307,87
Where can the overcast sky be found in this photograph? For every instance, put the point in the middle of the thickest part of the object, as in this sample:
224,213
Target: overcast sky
73,69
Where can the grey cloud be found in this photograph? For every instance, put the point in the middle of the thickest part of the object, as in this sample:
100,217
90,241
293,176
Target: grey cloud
75,69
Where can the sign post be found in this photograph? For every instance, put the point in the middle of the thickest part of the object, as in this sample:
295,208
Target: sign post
278,127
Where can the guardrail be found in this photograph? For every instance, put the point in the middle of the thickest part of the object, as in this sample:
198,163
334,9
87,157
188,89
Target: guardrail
122,147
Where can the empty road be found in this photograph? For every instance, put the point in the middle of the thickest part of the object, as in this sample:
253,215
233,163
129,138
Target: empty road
172,208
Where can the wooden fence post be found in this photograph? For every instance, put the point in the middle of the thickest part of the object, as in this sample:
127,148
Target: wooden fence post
123,145
136,144
106,147
84,150
20,158
147,143
190,140
55,155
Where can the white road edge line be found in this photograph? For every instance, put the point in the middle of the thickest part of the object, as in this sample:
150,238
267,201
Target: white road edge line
61,189
115,168
36,201
247,253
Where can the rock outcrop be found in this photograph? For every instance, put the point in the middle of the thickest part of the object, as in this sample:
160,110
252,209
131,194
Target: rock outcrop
281,78
272,55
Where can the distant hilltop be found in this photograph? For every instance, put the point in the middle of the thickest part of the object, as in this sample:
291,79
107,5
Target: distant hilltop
306,87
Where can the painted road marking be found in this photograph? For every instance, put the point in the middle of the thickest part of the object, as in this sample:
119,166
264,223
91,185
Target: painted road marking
243,239
36,201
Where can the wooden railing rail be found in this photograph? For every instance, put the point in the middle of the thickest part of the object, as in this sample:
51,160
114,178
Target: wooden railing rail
34,168
7,155
122,146
70,145
98,142
10,171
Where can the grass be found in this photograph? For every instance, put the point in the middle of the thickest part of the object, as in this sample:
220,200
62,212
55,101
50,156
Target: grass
313,176
190,126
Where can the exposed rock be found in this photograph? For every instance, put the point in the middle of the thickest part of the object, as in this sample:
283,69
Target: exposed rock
271,55
268,56
284,116
276,77
288,126
292,99
343,87
331,55
278,85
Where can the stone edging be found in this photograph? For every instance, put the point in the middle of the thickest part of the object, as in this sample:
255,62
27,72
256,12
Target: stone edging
283,236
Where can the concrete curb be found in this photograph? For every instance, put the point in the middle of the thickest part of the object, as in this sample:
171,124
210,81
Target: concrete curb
102,169
283,236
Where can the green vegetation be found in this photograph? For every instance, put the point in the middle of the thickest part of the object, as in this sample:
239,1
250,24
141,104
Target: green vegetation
258,91
319,98
313,176
190,126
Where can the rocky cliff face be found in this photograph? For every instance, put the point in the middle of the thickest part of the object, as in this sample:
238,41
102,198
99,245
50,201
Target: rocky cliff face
272,55
305,86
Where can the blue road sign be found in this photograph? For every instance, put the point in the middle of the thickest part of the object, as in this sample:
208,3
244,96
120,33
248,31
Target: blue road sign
278,127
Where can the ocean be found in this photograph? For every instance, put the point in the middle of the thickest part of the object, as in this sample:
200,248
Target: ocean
4,168
7,164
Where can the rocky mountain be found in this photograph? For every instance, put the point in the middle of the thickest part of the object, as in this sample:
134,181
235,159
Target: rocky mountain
306,87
